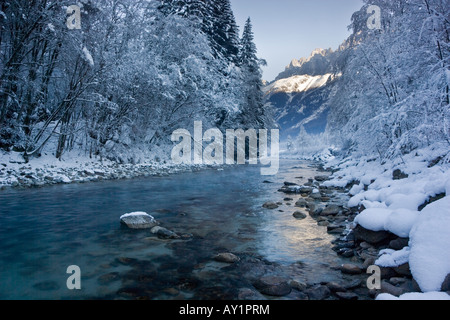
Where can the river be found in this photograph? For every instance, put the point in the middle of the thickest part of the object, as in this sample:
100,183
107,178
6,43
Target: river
43,231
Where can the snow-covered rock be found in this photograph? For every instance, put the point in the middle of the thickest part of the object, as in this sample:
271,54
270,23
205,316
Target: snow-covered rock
138,220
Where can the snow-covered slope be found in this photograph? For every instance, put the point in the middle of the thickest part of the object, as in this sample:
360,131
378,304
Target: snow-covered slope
299,100
297,84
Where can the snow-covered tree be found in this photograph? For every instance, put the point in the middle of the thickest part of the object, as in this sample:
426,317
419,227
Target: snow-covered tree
393,95
253,111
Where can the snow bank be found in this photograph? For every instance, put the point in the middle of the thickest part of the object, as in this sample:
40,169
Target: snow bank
415,296
392,203
373,219
430,242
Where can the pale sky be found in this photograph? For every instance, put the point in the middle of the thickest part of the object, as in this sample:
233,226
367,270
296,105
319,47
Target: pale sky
288,29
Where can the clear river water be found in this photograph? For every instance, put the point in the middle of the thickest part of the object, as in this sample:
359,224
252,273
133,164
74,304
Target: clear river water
43,231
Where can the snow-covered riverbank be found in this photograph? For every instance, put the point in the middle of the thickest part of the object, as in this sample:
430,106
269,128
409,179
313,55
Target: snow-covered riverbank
47,170
410,198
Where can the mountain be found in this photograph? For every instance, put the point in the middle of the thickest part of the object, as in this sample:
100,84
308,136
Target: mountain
299,94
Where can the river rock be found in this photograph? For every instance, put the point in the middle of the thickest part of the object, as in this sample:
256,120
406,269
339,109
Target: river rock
138,220
319,292
347,296
226,257
369,236
297,285
270,205
273,286
335,287
249,294
301,203
403,270
164,233
350,269
299,215
399,243
321,178
386,287
290,184
331,210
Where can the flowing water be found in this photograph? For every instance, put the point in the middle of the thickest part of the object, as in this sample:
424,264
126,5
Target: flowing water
43,231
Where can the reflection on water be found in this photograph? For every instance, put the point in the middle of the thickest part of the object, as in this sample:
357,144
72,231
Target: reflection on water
43,231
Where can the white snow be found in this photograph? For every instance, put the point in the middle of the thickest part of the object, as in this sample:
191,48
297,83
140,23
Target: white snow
392,258
88,56
135,214
400,222
373,219
296,84
430,246
415,296
393,205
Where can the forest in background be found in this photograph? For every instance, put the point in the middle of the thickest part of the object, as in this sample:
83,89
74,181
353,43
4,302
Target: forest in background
118,87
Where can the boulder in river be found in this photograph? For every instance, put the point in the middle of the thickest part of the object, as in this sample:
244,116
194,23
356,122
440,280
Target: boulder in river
351,269
319,292
321,178
227,257
273,286
299,215
164,233
138,220
270,205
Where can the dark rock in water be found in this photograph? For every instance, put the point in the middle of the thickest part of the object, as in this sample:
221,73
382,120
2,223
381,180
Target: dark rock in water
301,203
249,294
300,286
288,199
299,215
46,286
351,269
290,184
138,220
126,261
273,286
347,295
164,233
369,236
336,287
226,257
319,292
321,178
109,278
270,205
446,284
331,210
399,175
267,181
353,284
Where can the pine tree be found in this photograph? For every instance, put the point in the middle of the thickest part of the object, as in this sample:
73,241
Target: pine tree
215,18
224,32
250,65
